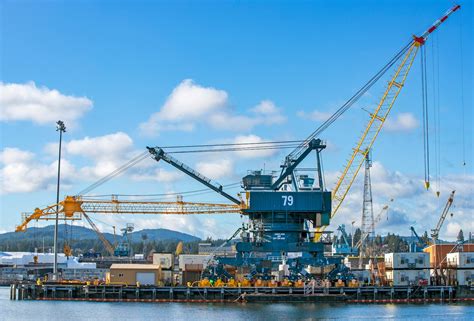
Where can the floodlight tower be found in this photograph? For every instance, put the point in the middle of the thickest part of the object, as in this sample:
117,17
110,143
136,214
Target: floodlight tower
61,128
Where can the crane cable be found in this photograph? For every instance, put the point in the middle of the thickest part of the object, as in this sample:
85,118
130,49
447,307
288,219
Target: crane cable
198,149
114,173
424,98
163,195
463,110
436,108
349,103
438,112
300,144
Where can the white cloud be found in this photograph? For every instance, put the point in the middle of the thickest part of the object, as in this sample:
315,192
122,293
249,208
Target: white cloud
190,100
412,204
252,153
107,153
186,104
393,184
315,115
21,172
269,112
265,113
403,122
453,228
237,123
27,102
190,103
216,169
110,147
158,175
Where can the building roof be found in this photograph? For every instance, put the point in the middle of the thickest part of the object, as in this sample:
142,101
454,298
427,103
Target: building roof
467,247
135,266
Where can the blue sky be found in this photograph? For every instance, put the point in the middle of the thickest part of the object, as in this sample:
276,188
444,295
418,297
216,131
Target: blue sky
259,70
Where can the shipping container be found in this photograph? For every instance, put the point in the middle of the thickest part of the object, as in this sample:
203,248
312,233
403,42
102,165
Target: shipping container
460,260
439,252
416,260
460,276
408,277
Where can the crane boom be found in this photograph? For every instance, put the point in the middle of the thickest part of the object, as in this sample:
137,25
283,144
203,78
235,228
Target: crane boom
377,119
345,237
422,242
159,154
444,213
291,163
106,243
72,207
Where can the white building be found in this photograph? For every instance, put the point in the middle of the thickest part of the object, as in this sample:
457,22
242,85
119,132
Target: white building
408,277
21,259
415,260
407,268
463,260
460,268
193,259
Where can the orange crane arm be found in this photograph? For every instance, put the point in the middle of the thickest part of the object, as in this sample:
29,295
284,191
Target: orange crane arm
73,207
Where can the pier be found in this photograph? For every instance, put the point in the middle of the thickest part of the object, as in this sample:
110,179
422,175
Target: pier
124,293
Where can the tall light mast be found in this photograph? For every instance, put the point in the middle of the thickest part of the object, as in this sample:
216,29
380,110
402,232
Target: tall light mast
61,128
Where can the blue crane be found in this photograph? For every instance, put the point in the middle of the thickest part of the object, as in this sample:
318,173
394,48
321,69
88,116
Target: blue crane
417,246
344,248
281,214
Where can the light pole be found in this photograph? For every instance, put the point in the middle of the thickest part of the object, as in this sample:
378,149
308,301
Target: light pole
61,129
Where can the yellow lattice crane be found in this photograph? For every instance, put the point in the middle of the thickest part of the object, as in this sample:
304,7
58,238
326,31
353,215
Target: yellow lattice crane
378,117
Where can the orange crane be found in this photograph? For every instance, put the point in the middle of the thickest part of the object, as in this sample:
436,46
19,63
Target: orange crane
74,207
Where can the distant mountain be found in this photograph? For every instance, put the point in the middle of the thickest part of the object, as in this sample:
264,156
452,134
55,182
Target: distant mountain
84,233
161,234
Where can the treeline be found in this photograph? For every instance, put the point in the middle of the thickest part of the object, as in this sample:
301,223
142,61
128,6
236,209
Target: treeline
91,245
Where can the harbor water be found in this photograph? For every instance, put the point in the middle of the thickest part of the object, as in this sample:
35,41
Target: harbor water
74,311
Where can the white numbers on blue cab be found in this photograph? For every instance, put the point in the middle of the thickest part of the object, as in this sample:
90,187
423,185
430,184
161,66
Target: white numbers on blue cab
287,200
